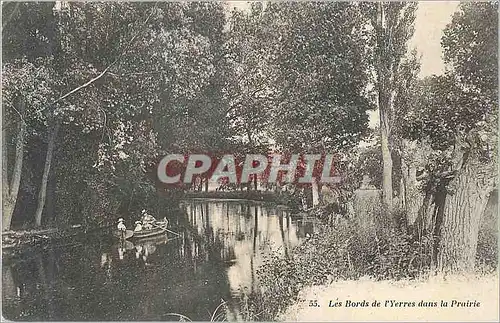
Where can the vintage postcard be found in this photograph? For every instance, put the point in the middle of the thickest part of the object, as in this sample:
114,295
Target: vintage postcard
250,161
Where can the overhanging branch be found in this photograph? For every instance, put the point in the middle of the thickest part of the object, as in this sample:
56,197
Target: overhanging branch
129,44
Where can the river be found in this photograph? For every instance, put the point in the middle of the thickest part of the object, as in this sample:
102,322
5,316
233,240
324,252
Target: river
215,257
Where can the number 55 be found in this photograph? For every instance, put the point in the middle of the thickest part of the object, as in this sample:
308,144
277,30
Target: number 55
313,303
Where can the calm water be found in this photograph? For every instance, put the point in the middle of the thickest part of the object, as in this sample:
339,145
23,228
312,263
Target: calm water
220,247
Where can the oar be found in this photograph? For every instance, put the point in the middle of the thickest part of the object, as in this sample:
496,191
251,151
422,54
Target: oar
173,232
166,229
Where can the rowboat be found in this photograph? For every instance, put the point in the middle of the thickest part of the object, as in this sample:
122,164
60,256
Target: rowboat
155,231
144,233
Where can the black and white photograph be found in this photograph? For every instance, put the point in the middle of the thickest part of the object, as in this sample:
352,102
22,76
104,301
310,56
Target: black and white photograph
327,161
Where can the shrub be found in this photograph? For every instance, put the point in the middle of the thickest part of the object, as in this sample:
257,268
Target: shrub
340,252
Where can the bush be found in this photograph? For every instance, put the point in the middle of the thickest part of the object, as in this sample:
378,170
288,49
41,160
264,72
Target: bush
340,252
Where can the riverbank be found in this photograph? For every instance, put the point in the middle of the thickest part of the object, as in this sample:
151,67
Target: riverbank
282,198
346,259
14,242
478,297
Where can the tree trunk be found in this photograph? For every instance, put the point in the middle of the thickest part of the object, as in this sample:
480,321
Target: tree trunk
424,213
49,204
315,192
45,177
10,193
383,76
410,198
402,193
8,210
5,171
462,212
387,160
388,65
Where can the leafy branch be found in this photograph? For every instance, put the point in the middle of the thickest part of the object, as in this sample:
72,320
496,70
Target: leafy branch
125,50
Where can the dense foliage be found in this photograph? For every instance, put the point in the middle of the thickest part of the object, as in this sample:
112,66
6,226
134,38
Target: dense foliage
108,88
444,137
94,94
343,251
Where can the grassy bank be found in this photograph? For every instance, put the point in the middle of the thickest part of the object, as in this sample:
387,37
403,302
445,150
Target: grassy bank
16,242
343,251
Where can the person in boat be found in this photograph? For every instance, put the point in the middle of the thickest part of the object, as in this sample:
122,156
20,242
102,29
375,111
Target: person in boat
147,220
144,219
121,227
163,223
138,226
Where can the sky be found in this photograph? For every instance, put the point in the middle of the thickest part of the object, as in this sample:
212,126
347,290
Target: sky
431,18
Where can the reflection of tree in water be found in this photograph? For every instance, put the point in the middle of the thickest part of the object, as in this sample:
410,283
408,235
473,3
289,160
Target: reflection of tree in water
219,250
282,233
207,245
241,232
56,284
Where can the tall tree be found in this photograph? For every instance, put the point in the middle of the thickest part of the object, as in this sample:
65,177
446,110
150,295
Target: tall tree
247,44
457,115
29,83
393,26
251,92
406,153
153,94
116,69
77,80
322,78
470,44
